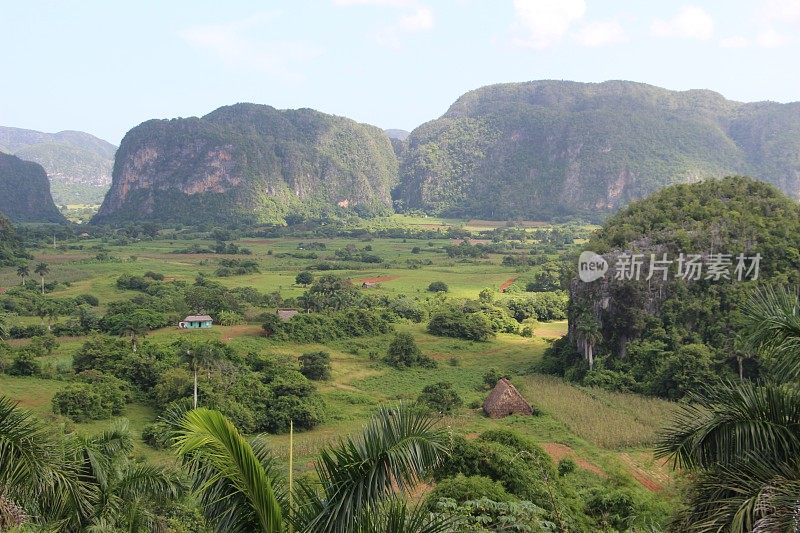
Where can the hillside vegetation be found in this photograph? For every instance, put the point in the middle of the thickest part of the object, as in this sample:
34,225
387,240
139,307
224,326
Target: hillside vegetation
555,148
670,337
250,163
78,164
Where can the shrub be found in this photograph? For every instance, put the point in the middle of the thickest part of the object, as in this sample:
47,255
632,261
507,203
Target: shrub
304,278
24,364
156,435
465,488
229,318
316,365
438,286
458,324
440,398
566,466
491,377
527,331
404,353
80,402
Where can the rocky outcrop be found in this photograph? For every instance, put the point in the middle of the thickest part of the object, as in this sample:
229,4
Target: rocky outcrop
250,163
25,192
554,148
78,164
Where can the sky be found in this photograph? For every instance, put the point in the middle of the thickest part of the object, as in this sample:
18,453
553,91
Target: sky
105,66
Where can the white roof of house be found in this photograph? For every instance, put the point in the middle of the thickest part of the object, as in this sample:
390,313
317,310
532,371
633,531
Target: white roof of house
198,318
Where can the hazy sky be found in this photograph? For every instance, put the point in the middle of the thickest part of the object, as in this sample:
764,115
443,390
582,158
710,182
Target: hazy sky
105,66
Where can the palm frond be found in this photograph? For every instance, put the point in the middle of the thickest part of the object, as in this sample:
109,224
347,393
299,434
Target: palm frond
752,495
723,424
395,516
399,446
232,481
773,327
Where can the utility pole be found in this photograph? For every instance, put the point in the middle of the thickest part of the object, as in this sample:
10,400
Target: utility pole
291,470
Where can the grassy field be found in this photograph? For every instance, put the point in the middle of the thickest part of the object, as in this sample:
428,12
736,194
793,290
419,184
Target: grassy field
608,433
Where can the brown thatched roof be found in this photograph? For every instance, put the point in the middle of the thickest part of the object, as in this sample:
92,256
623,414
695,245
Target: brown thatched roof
505,400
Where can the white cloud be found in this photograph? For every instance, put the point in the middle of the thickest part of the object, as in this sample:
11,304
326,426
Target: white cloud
780,11
600,33
542,23
421,19
771,39
691,22
736,41
414,17
237,44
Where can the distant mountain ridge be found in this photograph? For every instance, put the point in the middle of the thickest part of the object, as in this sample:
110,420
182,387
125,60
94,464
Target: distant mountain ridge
25,192
555,148
249,162
78,164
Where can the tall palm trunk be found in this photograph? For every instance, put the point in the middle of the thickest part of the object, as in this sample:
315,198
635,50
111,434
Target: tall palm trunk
590,355
42,284
194,402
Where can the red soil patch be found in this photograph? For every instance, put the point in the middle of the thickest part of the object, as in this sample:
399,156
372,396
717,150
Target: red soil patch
2,290
377,279
558,451
641,475
506,284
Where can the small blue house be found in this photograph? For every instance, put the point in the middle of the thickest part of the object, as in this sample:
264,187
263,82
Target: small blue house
196,322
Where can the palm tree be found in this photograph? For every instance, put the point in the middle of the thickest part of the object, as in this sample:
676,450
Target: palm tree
589,335
23,272
75,483
241,490
124,492
42,269
741,440
36,483
198,356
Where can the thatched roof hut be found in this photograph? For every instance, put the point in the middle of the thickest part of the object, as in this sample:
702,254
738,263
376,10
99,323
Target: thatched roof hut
505,400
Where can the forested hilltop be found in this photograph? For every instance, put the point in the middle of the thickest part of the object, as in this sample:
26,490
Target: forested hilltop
25,192
669,337
250,163
552,148
77,163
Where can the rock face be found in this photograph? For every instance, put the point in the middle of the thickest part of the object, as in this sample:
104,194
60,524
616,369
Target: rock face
249,162
25,192
550,148
78,164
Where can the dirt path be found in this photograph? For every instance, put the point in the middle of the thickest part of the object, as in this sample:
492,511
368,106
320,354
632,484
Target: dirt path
640,474
377,279
558,451
506,284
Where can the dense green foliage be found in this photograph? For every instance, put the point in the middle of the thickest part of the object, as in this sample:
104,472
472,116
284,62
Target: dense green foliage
403,352
25,192
12,251
250,162
440,398
553,148
741,441
669,337
457,323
